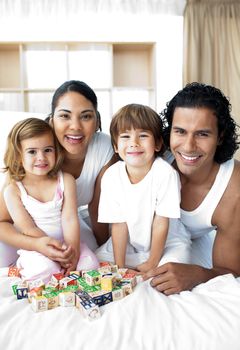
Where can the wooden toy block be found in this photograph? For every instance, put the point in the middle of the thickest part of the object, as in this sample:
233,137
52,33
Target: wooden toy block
53,300
36,284
114,268
127,288
75,273
22,291
117,293
39,303
53,285
130,278
34,293
13,271
56,277
93,278
107,297
66,281
89,310
67,299
122,271
107,283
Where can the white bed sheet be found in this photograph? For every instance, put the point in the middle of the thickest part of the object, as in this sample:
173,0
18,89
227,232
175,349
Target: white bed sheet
206,318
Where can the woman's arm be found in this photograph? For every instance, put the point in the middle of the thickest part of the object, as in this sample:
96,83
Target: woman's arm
159,236
100,230
70,222
120,240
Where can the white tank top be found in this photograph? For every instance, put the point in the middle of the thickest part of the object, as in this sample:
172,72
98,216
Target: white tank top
46,215
199,221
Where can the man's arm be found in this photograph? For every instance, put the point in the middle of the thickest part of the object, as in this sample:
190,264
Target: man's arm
173,278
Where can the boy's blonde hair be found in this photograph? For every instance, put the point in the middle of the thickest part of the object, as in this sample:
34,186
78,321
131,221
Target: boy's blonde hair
23,130
136,116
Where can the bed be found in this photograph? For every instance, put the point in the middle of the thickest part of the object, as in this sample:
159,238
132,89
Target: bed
206,318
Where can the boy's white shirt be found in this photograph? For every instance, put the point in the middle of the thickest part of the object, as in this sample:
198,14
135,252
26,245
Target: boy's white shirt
136,204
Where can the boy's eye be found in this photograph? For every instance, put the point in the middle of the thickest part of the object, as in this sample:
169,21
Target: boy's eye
124,136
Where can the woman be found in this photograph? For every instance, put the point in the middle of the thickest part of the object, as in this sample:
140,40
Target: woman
87,154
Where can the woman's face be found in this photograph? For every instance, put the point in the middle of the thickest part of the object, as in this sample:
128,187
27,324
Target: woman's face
75,123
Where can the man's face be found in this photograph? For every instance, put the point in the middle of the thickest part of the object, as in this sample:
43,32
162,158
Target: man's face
194,139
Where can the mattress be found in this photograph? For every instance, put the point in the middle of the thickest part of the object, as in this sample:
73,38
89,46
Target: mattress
206,318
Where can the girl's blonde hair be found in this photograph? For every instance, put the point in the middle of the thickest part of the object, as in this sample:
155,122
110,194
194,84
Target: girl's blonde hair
23,130
136,116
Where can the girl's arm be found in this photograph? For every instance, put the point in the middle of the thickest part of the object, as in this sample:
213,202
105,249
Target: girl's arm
47,246
21,218
70,221
159,236
120,240
100,230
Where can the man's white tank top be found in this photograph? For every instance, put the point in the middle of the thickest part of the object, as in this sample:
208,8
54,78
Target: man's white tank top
199,221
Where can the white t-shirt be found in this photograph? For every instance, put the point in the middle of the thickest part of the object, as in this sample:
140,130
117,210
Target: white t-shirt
136,204
99,153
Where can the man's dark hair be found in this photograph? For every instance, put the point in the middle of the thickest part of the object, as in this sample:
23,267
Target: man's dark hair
197,95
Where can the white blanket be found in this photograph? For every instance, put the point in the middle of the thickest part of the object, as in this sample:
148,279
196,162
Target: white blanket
207,318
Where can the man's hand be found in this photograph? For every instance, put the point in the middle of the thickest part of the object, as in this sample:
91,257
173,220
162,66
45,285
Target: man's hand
172,278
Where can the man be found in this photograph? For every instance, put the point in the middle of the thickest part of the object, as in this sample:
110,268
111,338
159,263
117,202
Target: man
203,138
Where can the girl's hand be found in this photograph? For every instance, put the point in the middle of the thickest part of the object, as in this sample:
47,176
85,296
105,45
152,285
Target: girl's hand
72,263
54,249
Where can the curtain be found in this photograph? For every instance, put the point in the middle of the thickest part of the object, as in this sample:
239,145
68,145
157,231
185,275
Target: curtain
212,47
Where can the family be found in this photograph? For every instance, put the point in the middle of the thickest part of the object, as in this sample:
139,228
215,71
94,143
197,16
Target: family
160,195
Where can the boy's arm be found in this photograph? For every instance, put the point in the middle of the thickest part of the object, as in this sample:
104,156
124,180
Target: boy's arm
159,236
21,218
119,239
70,221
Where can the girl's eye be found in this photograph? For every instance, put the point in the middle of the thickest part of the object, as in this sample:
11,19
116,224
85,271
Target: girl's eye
143,135
49,150
31,151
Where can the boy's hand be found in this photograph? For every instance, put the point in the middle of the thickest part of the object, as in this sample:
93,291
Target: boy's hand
146,266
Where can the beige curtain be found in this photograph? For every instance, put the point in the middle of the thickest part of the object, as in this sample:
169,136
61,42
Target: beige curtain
212,47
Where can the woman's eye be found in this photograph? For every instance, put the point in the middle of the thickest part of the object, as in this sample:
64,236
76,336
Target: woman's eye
86,117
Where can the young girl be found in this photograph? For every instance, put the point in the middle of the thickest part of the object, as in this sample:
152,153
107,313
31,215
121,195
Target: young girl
140,194
42,200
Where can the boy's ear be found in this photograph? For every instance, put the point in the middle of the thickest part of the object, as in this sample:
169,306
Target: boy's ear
115,149
158,145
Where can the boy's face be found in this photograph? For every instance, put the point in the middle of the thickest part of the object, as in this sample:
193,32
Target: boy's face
194,139
137,147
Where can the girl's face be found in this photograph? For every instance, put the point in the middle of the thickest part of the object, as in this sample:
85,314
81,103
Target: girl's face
38,154
75,123
137,148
